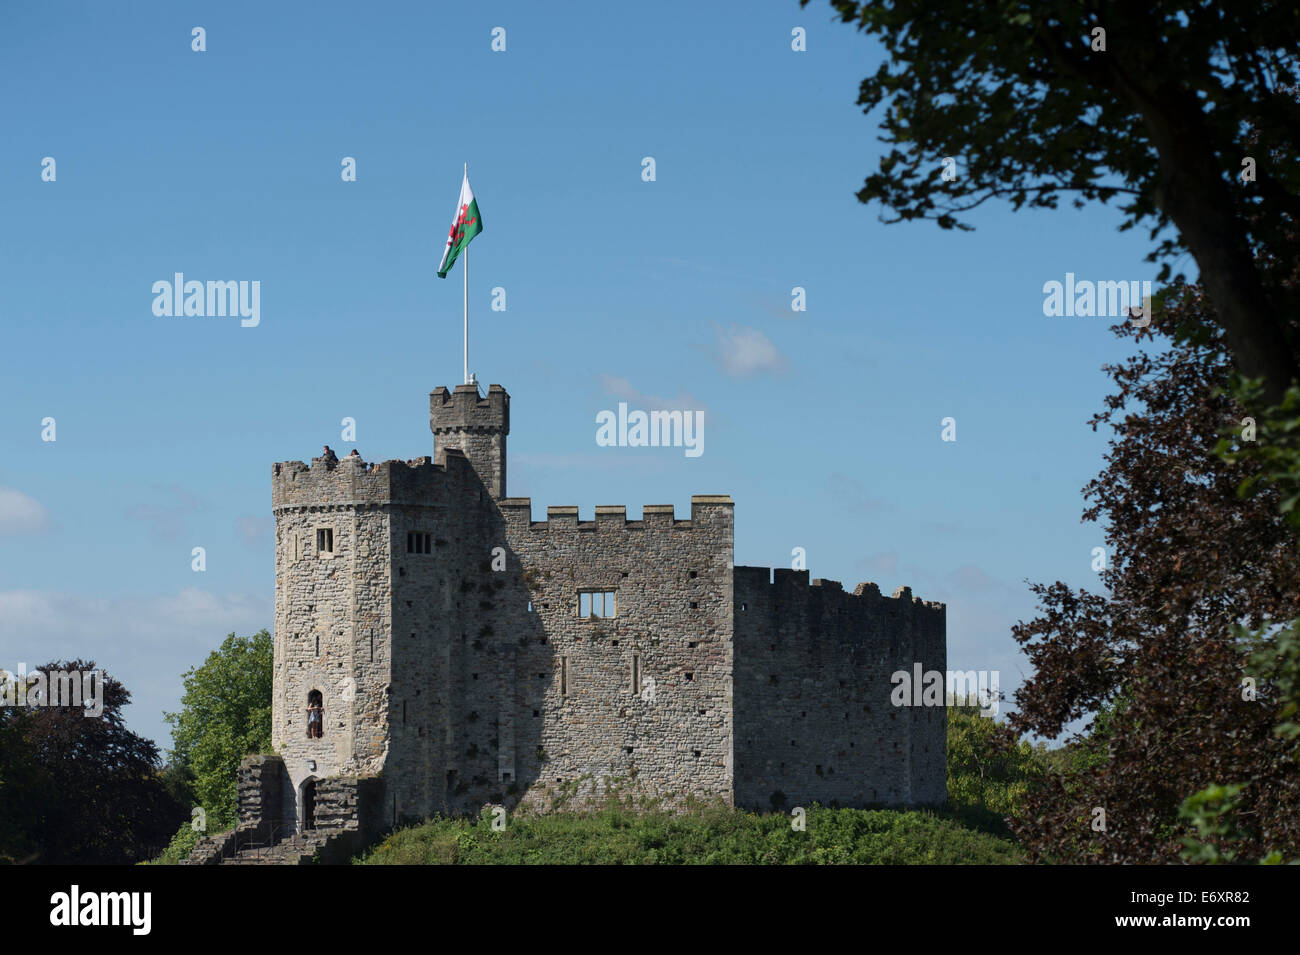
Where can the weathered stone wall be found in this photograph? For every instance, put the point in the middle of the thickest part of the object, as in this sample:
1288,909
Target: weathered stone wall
350,802
445,622
574,690
460,673
476,426
334,611
259,795
813,716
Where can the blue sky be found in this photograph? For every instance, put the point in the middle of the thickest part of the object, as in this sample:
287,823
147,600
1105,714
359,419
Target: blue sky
823,425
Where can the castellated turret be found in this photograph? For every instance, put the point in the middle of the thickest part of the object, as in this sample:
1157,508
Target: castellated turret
437,649
477,426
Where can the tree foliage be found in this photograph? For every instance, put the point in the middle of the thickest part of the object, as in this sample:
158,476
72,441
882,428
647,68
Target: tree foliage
1160,120
1192,562
80,789
225,715
989,774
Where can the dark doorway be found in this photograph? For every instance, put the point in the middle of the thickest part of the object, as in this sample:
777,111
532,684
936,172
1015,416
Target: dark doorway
309,805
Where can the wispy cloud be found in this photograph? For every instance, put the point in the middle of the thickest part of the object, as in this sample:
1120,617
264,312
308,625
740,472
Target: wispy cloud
777,305
20,513
145,642
849,494
886,563
744,352
167,515
624,390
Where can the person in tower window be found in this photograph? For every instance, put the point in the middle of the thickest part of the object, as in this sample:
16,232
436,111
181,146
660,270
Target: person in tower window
315,716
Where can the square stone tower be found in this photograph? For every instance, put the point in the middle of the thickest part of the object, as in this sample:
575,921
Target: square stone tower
475,426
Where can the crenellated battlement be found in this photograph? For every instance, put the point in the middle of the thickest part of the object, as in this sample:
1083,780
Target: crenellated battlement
707,510
477,426
464,410
795,583
352,480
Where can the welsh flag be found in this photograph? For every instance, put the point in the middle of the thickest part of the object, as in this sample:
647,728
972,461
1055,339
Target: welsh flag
467,224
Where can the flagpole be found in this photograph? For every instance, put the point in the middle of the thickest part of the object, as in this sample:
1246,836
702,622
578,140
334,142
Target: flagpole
467,316
467,299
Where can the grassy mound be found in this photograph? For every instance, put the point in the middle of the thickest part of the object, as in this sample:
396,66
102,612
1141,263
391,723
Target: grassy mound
713,836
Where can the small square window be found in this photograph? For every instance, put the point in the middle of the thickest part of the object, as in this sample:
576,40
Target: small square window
324,540
595,603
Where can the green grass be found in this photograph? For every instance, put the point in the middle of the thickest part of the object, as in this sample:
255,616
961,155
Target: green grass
711,836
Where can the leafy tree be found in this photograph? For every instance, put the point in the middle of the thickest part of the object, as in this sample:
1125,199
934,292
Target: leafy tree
83,789
1161,119
989,775
1216,811
24,788
225,715
1191,560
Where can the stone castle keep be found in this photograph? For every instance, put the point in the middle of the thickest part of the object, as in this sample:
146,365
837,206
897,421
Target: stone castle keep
463,653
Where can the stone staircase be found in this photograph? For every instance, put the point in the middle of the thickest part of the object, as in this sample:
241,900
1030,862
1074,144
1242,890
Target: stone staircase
300,850
347,817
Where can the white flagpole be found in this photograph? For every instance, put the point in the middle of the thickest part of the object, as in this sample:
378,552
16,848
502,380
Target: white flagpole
466,297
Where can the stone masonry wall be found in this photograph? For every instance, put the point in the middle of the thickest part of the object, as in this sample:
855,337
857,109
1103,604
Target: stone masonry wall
813,716
334,611
573,689
259,795
477,427
445,623
443,633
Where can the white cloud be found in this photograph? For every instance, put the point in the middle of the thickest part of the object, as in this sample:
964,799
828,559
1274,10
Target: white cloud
145,642
624,390
21,514
743,352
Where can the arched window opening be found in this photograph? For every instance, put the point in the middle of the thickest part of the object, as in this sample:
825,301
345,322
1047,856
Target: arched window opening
315,715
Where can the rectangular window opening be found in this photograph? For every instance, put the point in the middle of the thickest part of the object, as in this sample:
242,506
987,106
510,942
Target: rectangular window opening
325,540
596,603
